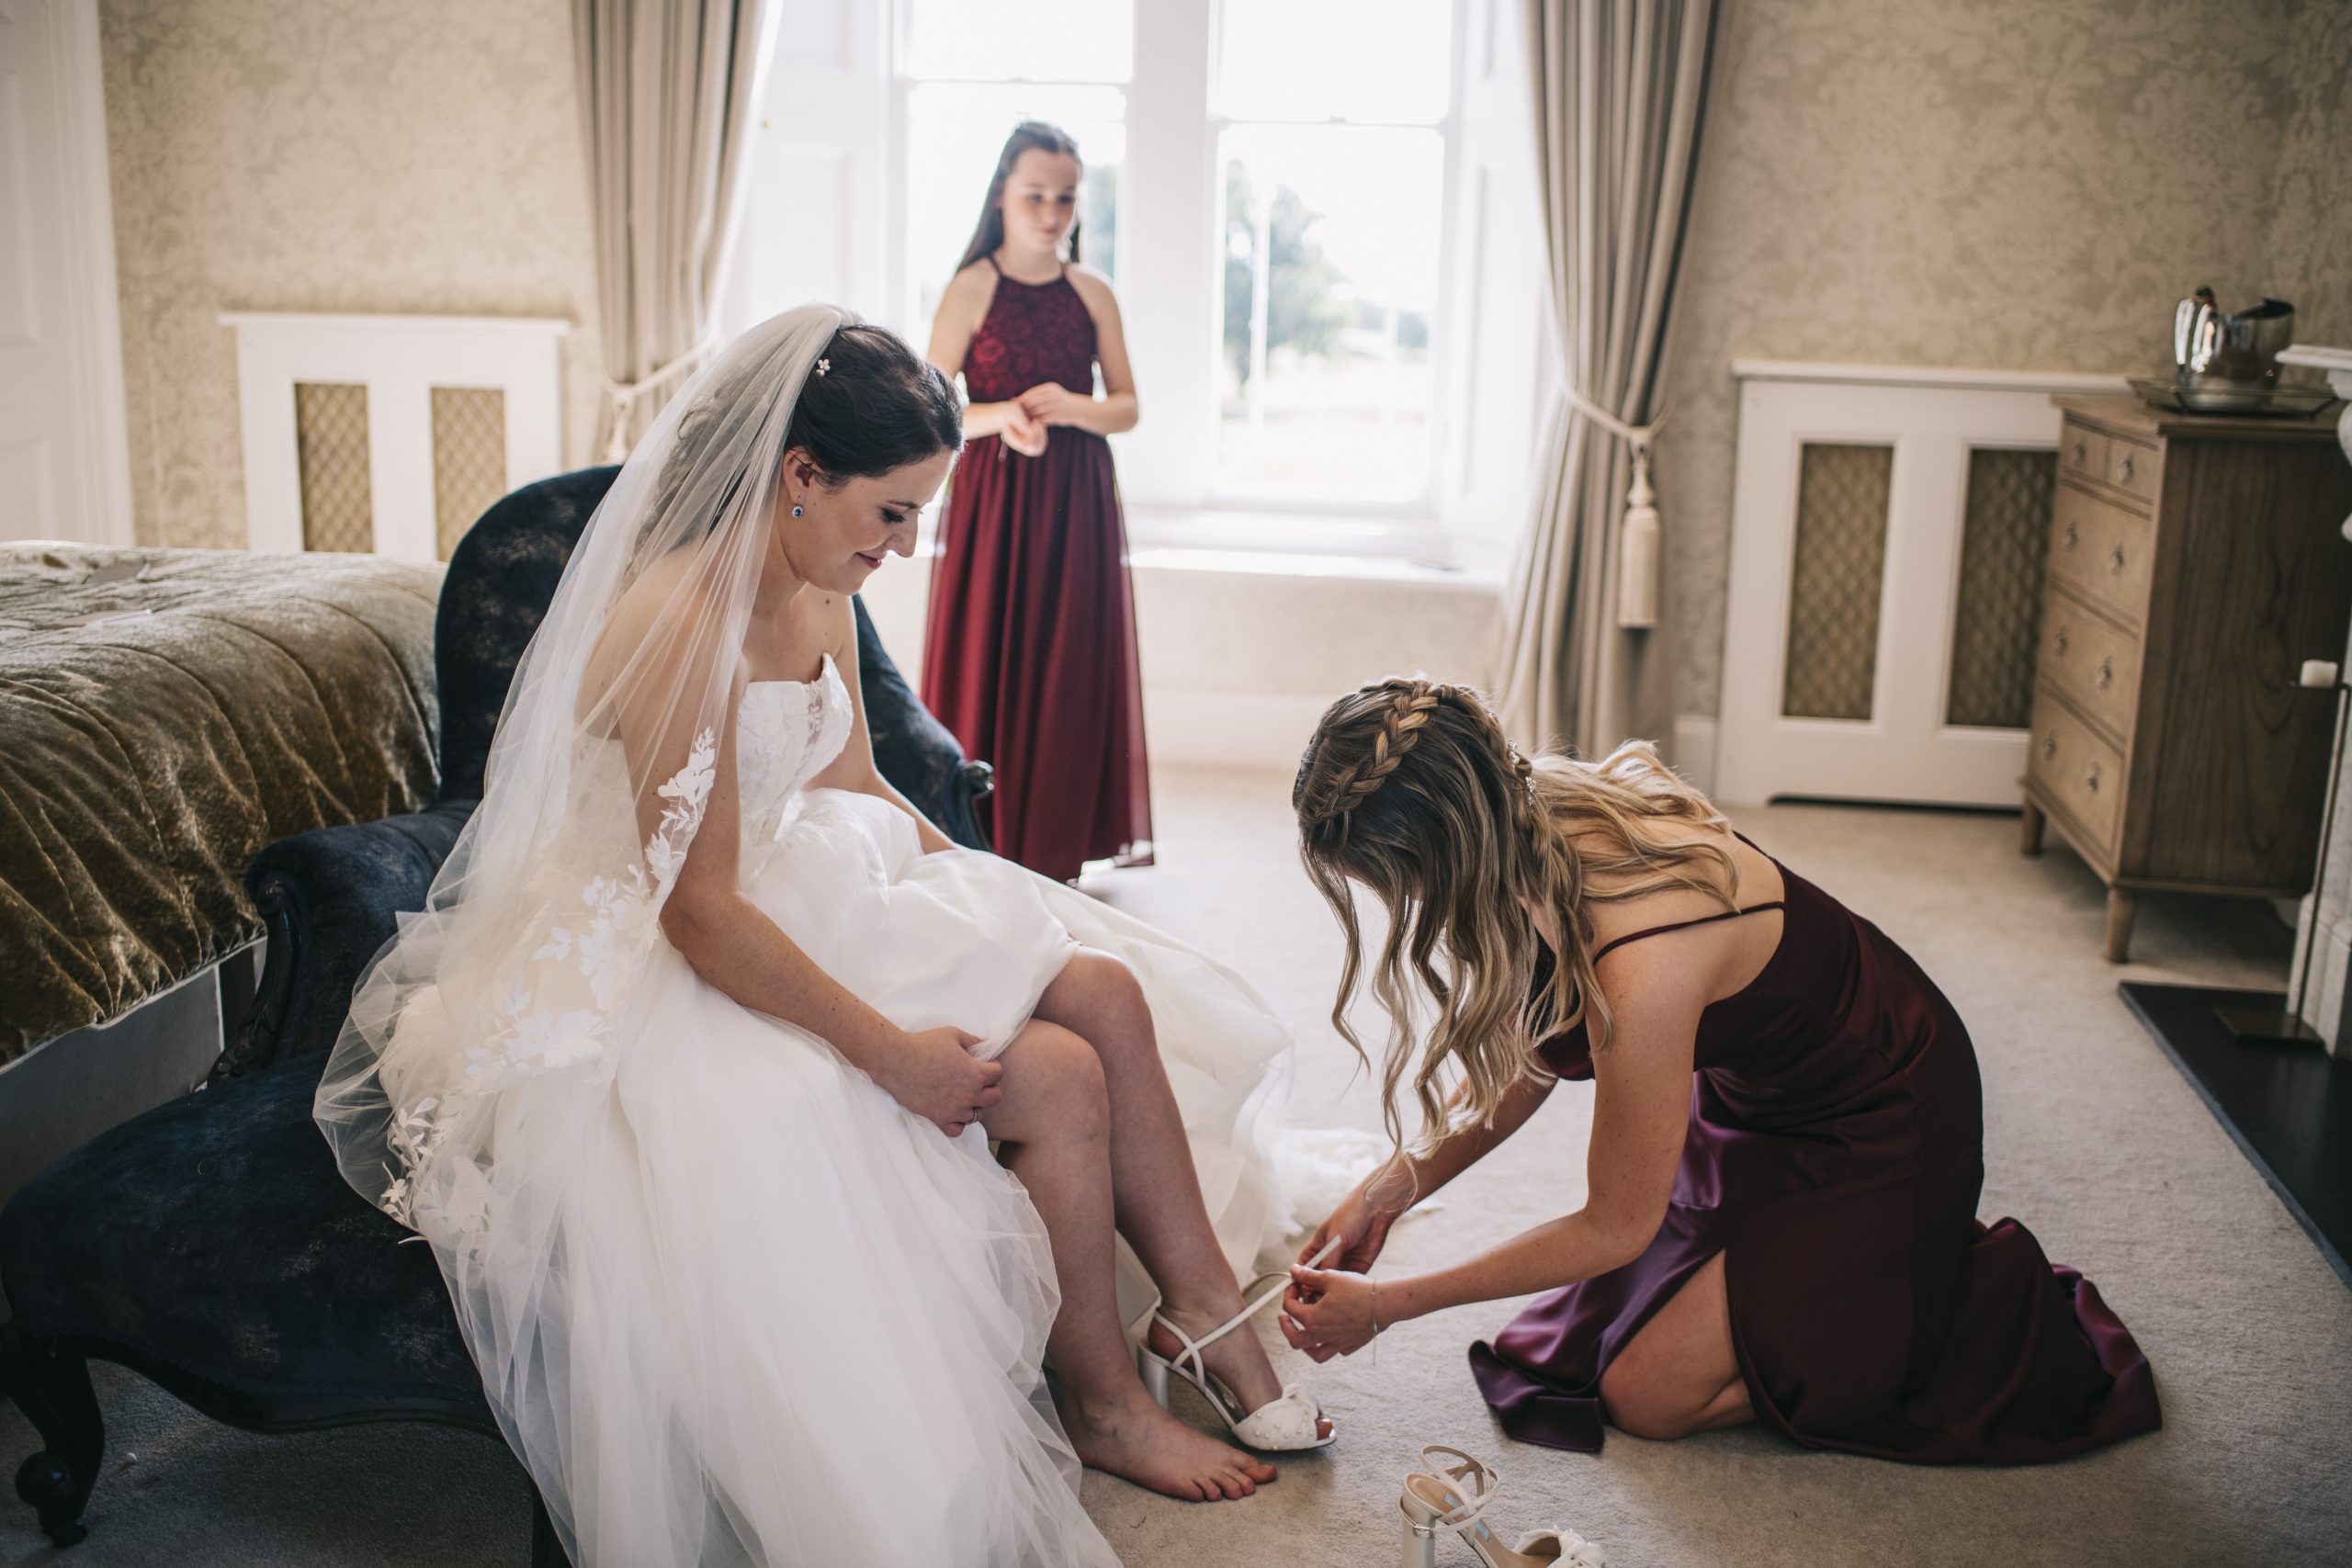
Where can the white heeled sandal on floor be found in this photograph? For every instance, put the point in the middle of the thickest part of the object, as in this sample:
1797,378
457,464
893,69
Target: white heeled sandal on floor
1432,1501
1282,1424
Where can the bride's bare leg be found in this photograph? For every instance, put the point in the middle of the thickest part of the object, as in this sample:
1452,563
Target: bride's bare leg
1156,1191
1055,1121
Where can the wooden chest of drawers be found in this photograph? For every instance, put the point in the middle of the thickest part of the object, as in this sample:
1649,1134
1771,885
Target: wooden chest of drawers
2195,563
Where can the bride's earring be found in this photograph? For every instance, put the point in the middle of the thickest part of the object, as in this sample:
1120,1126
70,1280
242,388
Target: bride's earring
796,511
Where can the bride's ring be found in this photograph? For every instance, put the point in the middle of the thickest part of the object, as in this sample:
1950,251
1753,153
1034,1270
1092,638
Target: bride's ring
975,1114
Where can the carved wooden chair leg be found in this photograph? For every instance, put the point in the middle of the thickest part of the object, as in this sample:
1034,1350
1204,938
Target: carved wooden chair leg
52,1388
546,1549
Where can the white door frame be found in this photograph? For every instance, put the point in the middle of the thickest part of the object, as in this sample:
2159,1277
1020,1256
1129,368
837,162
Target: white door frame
1932,419
84,476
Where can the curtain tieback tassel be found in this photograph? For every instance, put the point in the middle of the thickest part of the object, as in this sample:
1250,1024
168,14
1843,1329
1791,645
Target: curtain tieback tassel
1638,550
623,395
1638,537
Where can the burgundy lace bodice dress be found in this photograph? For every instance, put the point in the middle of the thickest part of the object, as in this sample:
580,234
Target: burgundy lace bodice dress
1030,653
1835,1156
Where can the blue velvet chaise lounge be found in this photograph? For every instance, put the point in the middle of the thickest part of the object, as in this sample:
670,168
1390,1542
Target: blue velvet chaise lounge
209,1245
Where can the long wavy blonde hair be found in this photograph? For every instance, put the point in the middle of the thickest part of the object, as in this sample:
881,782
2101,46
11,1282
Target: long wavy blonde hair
1411,788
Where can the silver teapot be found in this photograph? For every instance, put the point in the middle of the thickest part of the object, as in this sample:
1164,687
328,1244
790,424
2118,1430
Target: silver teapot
2215,347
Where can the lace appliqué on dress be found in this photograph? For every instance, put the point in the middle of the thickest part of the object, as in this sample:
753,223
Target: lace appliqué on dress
787,733
561,1013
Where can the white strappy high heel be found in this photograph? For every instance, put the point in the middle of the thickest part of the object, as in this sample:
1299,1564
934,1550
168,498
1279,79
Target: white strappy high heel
1285,1423
1432,1501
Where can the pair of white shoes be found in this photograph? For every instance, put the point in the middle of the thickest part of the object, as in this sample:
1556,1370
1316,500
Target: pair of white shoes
1286,1424
1442,1498
1434,1497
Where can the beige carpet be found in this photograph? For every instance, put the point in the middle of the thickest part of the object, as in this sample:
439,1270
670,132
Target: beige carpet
2093,1140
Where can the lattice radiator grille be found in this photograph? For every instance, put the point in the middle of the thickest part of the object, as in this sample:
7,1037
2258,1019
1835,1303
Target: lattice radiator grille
331,435
1840,567
1997,618
469,458
390,433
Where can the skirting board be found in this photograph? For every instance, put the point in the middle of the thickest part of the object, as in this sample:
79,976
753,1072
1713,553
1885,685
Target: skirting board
1692,752
1269,730
1229,729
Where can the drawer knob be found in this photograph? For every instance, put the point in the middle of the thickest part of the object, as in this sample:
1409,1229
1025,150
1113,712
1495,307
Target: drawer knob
2091,778
2049,744
2082,453
2115,558
2061,643
2126,468
2074,536
2105,671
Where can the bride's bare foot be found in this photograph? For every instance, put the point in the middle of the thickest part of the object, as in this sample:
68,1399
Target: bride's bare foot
1237,1360
1134,1438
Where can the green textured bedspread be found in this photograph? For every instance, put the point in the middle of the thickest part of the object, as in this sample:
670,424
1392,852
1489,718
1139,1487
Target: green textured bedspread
146,758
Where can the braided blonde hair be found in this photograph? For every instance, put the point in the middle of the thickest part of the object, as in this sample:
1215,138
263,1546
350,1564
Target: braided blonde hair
1411,787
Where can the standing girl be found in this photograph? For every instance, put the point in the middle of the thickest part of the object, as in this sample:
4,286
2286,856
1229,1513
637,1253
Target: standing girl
1030,656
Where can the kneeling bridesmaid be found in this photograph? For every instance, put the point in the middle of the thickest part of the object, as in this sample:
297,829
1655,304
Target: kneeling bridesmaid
1787,1136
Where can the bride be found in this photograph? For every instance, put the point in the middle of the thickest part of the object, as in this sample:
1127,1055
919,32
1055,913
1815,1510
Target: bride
689,1070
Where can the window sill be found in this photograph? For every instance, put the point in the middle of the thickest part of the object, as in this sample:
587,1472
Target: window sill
1331,545
1322,567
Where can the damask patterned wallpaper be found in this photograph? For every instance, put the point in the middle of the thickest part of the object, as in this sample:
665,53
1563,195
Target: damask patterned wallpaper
2006,183
2003,184
329,155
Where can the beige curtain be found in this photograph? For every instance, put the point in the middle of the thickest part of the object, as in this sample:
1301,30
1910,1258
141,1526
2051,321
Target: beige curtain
1621,87
666,100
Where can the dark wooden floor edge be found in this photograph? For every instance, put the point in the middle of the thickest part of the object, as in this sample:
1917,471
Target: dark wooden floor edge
2245,1145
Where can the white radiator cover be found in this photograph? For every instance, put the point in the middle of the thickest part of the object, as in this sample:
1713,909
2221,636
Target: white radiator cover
400,360
1902,749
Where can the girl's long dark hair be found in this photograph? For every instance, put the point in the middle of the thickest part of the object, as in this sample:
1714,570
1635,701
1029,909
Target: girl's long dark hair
989,232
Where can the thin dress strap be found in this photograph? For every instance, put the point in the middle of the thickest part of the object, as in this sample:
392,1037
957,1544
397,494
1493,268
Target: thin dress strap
1685,925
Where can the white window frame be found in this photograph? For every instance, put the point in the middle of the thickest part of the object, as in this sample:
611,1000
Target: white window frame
901,282
1422,506
836,112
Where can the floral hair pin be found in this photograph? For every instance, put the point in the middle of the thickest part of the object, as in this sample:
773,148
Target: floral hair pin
823,365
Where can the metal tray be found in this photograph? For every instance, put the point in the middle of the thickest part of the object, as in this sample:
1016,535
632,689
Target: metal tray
2294,402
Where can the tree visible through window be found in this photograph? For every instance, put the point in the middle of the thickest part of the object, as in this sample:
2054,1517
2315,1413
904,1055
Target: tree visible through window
1330,284
1303,310
1333,154
1326,125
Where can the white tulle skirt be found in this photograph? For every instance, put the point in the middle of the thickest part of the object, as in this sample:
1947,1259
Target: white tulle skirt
733,1304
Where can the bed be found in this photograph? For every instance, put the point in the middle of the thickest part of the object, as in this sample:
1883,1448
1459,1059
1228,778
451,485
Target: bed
164,715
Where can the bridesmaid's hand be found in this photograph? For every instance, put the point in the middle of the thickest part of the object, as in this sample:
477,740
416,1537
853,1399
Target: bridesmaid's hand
1358,1227
1022,433
934,1075
1050,402
1328,1312
1361,1228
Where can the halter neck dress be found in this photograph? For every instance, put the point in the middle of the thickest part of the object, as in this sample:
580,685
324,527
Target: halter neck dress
1030,654
1835,1157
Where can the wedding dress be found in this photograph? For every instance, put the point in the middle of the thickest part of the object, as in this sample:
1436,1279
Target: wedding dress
731,1303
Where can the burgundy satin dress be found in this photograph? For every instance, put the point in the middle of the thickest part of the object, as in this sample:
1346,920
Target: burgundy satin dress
1835,1155
1030,654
